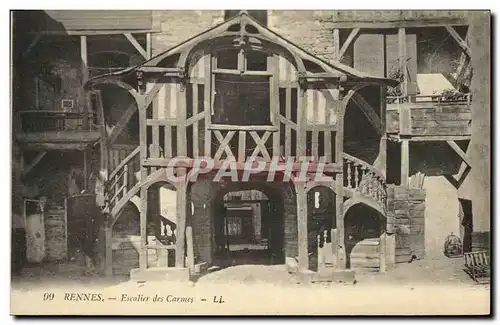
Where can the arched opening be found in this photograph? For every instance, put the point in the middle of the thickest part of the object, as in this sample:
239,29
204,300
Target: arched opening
320,222
363,227
248,225
160,230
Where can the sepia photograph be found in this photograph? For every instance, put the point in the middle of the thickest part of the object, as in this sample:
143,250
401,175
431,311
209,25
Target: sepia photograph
250,162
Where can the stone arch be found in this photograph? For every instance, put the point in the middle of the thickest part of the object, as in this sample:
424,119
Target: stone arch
277,236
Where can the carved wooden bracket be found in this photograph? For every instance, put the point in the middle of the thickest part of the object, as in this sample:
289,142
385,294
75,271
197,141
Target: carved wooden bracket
141,86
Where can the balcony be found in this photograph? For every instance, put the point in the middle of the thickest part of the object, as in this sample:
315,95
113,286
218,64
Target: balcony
45,130
429,117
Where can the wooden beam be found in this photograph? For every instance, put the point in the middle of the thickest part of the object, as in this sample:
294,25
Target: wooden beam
436,22
85,76
127,115
405,161
369,112
34,162
347,43
136,44
459,40
458,179
336,44
459,151
149,46
33,43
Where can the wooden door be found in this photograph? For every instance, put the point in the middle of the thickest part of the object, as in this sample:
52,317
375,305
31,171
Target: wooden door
35,231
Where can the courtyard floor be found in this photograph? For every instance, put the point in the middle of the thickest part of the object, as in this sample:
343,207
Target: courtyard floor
434,286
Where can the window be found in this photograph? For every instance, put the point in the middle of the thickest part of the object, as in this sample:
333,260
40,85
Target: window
241,88
47,92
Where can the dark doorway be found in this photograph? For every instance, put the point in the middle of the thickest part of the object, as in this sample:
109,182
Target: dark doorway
249,231
466,224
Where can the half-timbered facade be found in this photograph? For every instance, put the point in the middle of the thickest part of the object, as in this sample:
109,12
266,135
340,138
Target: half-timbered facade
240,91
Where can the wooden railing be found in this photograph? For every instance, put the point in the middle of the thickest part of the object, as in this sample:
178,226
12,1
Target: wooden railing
365,179
43,121
123,179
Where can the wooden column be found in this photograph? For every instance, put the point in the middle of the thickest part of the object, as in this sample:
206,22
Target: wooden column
143,252
402,59
302,227
85,76
339,183
405,161
180,244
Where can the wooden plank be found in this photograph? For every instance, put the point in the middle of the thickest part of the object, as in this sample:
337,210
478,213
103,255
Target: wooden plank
273,63
208,103
459,151
426,115
161,122
242,145
149,46
227,127
155,132
438,124
143,252
405,162
347,43
458,39
336,44
181,225
288,130
181,126
136,45
402,59
451,131
196,151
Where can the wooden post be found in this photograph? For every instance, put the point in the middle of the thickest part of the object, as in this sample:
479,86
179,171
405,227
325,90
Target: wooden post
405,161
149,46
339,198
85,77
402,60
302,227
143,253
108,248
336,43
180,244
86,169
